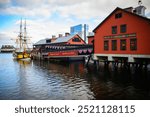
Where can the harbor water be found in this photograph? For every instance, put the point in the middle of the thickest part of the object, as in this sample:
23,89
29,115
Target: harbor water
70,81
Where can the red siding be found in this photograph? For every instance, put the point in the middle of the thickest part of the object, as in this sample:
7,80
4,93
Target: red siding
67,53
72,42
90,39
135,24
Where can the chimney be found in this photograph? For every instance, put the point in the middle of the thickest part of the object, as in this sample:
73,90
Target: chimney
53,36
60,35
67,34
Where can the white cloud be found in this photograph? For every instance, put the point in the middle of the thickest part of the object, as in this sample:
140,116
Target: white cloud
44,29
78,8
28,3
37,29
4,3
43,23
5,39
66,2
23,11
148,15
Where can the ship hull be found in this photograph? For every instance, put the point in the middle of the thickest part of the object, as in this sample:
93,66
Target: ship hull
21,55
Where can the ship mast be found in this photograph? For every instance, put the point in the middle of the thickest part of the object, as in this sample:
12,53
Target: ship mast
25,35
20,34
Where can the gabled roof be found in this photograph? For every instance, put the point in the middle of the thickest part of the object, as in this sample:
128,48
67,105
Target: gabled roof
146,19
58,40
63,39
90,36
43,41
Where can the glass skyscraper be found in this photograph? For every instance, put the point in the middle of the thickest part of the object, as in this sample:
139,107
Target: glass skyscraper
81,29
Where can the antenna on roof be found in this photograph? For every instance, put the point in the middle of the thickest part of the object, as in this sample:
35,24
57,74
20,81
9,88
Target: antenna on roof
140,2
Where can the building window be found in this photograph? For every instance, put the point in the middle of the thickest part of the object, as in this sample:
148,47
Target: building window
106,45
118,15
123,44
133,44
76,40
123,28
114,29
114,44
48,41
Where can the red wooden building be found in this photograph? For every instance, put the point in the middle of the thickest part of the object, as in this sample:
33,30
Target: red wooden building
124,34
68,47
90,39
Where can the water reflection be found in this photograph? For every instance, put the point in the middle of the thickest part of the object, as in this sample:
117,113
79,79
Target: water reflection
66,80
47,80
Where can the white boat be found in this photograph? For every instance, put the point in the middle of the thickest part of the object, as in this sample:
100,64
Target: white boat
7,48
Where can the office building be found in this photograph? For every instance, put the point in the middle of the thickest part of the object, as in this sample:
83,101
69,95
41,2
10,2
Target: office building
81,29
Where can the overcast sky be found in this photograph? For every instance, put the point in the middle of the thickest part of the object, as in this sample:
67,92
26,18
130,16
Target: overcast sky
51,17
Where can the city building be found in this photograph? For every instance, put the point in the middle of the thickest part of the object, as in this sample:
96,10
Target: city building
123,35
63,46
90,38
81,30
61,40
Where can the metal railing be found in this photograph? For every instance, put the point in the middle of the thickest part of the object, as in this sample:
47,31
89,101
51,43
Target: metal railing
65,48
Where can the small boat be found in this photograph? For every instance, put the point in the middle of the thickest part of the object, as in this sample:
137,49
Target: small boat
22,51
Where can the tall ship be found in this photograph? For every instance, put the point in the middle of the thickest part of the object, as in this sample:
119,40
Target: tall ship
22,50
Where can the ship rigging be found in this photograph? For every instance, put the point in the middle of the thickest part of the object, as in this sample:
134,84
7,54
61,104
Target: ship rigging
22,51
